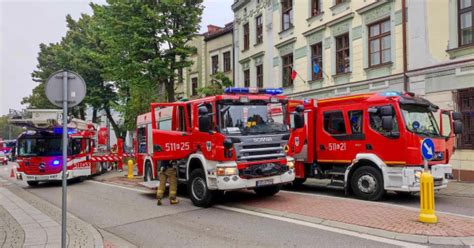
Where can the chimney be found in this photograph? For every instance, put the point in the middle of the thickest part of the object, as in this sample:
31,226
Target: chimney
212,29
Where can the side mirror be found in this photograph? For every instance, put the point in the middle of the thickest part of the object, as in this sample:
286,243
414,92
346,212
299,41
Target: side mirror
457,126
387,123
298,119
457,116
386,111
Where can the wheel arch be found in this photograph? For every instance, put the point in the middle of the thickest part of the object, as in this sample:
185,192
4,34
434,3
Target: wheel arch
371,160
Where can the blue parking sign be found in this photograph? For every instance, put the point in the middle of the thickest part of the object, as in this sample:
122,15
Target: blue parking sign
427,149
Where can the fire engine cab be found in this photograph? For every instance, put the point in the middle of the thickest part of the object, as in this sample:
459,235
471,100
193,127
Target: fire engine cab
238,140
370,143
39,148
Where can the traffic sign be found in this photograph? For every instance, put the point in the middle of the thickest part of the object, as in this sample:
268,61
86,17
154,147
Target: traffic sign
427,149
76,88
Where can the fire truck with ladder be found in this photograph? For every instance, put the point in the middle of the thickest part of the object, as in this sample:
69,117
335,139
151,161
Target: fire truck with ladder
370,143
39,148
239,140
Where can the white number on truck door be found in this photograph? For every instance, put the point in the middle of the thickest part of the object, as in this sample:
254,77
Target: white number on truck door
183,146
337,146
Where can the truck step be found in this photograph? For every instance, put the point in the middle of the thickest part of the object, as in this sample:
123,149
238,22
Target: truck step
336,185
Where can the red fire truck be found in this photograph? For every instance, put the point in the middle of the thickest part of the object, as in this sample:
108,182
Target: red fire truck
239,140
39,148
370,143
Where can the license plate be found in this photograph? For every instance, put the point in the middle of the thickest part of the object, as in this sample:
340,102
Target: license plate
41,177
265,182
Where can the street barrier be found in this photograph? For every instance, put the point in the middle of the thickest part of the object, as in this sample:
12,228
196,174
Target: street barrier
427,203
130,169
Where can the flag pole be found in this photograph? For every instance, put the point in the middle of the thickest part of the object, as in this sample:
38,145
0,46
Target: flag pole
297,74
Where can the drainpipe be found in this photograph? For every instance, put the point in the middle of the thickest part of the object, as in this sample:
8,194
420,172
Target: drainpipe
404,34
233,55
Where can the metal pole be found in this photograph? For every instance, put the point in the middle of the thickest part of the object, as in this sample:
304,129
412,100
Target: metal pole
425,164
107,124
64,198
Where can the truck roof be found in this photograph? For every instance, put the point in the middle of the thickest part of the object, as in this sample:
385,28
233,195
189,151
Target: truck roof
404,98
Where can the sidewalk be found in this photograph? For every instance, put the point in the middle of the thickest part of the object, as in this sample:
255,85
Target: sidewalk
460,189
28,221
373,218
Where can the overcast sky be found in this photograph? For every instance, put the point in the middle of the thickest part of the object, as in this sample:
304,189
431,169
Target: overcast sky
26,24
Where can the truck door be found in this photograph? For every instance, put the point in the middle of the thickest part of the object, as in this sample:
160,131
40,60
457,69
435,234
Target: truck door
331,138
171,132
446,124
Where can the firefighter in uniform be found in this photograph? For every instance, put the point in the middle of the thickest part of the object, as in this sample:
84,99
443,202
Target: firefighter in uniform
167,171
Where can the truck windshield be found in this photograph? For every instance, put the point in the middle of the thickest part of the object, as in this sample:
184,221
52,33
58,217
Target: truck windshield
39,147
252,119
419,119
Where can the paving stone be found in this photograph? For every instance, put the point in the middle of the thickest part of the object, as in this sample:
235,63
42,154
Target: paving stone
444,241
412,238
468,241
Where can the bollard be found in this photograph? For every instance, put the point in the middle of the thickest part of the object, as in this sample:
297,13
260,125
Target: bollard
427,203
130,169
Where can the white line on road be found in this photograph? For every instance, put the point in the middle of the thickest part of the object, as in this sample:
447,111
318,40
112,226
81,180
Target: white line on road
322,227
293,221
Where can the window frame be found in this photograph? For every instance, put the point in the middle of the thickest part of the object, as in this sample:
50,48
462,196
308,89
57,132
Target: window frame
246,29
314,57
259,71
227,61
378,37
467,119
247,77
395,121
258,29
289,67
459,13
194,86
288,11
342,50
315,7
214,64
343,121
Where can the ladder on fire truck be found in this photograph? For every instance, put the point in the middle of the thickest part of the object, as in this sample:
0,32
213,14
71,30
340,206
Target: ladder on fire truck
44,119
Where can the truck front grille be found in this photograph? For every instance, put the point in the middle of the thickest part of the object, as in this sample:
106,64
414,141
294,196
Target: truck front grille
263,170
259,152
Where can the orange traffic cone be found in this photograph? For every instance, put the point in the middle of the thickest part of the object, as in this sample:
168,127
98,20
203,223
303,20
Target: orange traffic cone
12,173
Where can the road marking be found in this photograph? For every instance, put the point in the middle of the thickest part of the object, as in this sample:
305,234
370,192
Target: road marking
377,203
322,227
122,187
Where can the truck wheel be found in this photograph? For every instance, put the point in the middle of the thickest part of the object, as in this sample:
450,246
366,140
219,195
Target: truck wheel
32,183
298,182
268,190
200,195
367,183
148,175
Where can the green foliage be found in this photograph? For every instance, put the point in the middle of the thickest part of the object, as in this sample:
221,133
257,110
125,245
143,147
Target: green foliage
5,129
219,82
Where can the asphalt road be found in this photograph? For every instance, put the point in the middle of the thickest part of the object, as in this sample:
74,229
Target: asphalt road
444,203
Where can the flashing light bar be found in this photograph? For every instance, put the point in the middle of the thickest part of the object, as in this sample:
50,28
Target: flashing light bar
245,90
55,162
59,130
390,93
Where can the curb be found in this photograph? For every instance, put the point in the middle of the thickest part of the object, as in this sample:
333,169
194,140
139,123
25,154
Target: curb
423,239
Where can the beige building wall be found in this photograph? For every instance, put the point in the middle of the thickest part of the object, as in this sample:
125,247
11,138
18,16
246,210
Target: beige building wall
217,46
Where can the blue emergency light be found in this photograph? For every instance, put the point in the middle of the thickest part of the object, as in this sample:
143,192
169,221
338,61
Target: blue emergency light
55,162
245,90
390,93
59,130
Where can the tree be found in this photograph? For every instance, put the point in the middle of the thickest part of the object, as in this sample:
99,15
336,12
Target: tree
8,131
145,45
219,82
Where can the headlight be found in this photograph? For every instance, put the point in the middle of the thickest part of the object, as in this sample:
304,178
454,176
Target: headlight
290,163
418,175
223,171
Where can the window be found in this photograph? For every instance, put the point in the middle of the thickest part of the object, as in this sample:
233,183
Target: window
247,78
466,107
180,75
317,60
286,14
379,43
340,1
287,70
141,140
465,22
334,122
342,53
215,63
246,37
259,29
355,120
259,69
315,7
194,86
375,118
227,62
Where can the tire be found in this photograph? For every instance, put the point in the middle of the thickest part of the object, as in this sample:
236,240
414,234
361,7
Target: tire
298,182
268,190
367,183
109,166
148,175
200,195
32,183
99,169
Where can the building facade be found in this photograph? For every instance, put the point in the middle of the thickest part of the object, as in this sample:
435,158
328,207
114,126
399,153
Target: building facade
324,48
214,53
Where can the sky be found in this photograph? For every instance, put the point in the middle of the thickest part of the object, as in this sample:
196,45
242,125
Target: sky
25,24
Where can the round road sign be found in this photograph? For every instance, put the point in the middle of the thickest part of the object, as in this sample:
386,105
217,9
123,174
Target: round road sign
76,88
